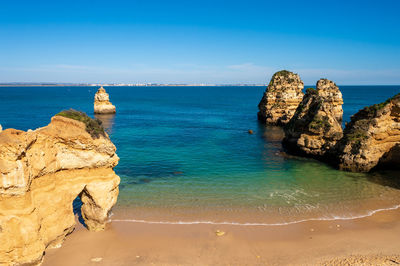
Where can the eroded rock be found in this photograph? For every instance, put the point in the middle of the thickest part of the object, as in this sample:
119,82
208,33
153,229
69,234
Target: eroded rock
280,100
42,172
372,138
102,104
316,125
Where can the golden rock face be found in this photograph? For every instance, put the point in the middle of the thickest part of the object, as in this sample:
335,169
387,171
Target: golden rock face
316,125
42,173
102,104
280,100
372,138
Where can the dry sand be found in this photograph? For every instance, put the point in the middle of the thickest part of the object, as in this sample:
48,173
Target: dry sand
372,240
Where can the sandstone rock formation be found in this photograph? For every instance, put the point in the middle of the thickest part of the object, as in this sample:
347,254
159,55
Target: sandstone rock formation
1,129
42,173
280,100
316,125
102,104
372,138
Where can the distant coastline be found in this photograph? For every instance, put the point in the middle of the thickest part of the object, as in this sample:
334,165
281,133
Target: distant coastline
15,84
22,84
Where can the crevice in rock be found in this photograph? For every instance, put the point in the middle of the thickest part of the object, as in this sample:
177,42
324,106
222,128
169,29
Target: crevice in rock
77,208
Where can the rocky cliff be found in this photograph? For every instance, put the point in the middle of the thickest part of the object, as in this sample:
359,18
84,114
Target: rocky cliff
280,100
102,104
371,139
42,173
316,125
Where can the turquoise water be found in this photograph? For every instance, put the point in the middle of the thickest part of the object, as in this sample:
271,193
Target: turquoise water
186,154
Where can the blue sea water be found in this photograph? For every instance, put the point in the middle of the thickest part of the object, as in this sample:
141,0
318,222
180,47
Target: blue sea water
185,154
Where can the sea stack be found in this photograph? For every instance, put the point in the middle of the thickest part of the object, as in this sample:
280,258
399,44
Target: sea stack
43,172
102,104
281,98
316,125
372,138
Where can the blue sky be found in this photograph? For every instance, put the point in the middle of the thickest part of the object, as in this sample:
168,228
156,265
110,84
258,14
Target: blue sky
350,42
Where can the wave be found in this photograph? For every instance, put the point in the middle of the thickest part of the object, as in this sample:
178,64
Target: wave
333,218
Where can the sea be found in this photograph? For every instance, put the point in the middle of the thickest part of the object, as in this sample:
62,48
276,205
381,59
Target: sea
186,155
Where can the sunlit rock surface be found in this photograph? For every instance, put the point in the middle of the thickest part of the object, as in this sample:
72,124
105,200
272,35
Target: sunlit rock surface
280,100
102,104
372,138
316,125
42,173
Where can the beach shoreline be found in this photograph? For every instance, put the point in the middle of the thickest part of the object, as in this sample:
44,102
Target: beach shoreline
368,240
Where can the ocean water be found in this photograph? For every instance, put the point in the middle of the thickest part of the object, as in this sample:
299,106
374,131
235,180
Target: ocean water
186,156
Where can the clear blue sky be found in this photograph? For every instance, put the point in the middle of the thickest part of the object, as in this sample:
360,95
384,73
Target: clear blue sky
350,42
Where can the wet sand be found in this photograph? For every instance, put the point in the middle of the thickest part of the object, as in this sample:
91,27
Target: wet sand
372,240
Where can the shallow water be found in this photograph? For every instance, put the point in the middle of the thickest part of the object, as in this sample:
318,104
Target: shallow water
186,154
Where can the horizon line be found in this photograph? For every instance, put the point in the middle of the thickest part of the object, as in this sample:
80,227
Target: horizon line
150,84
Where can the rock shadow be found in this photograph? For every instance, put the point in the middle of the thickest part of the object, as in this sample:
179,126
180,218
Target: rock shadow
389,178
390,160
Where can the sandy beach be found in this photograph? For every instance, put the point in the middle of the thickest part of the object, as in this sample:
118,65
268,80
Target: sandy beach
366,241
199,133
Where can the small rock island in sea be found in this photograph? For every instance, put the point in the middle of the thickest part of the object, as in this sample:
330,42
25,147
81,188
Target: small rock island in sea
317,123
369,141
102,104
280,100
43,171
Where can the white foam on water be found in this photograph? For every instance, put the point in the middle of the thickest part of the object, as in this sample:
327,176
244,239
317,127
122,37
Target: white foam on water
333,218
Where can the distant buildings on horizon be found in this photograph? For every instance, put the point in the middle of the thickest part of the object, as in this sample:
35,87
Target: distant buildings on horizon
120,84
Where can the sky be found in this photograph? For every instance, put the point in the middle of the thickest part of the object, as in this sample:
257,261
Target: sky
212,42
